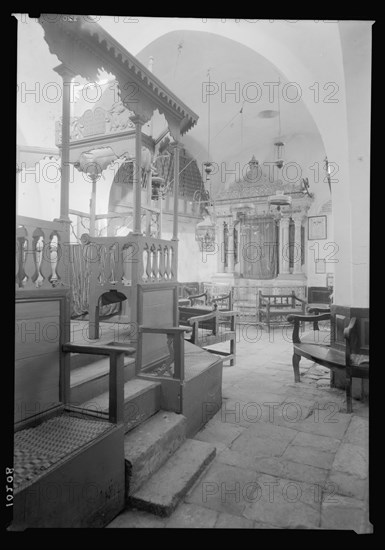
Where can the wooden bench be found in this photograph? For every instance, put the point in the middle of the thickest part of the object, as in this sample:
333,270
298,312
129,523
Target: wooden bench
355,365
223,302
274,308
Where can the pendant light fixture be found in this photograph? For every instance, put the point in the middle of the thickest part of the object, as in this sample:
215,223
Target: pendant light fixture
279,143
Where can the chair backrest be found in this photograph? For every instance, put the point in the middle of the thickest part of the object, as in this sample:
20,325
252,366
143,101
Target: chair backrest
42,326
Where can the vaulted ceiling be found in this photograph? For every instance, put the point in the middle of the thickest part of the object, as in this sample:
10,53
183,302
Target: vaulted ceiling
182,60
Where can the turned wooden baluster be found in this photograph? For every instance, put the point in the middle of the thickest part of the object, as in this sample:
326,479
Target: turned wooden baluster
110,267
172,266
161,263
166,263
101,265
119,267
127,259
148,262
45,264
154,255
54,257
29,262
21,234
38,247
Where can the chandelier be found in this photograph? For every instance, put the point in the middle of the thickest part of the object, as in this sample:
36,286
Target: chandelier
279,144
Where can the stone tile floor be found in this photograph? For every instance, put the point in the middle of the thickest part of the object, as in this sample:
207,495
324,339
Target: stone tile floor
288,455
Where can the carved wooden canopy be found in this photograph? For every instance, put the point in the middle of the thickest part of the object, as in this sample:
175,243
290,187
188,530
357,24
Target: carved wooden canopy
86,48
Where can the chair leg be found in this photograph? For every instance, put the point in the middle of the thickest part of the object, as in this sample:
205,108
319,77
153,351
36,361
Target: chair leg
296,360
94,322
233,347
349,408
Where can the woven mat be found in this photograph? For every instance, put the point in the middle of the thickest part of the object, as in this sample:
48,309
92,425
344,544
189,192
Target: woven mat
37,449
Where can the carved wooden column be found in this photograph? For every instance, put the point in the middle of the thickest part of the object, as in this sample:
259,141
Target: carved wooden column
297,218
176,146
67,76
137,176
230,248
221,252
149,194
284,244
94,178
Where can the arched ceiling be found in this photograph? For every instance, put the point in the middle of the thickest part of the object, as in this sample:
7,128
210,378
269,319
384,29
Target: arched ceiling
182,59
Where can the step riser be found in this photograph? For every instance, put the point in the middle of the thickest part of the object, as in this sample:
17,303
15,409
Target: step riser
82,359
141,408
154,456
180,478
91,388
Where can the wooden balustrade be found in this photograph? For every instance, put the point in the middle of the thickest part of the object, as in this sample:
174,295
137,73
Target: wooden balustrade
42,254
130,260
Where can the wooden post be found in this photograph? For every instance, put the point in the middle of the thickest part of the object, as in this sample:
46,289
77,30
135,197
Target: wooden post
176,146
179,356
116,388
297,241
67,76
284,248
93,206
137,176
149,194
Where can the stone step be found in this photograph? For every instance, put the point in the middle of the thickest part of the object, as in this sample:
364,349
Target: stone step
141,401
90,380
147,447
161,494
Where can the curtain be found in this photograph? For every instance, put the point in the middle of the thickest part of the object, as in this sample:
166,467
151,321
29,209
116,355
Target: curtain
260,248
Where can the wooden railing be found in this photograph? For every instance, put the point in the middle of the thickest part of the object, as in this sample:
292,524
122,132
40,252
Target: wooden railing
123,261
42,254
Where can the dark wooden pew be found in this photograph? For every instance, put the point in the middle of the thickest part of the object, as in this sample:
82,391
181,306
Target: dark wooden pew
354,364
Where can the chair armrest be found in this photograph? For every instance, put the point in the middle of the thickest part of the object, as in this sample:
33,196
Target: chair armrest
349,329
97,349
348,335
195,296
116,378
293,318
317,310
162,330
296,319
206,317
228,313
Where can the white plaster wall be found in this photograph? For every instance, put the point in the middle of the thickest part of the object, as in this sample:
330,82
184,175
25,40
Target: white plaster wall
356,48
193,264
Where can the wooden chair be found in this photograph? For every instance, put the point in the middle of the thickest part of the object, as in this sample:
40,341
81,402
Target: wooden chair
274,308
56,443
213,328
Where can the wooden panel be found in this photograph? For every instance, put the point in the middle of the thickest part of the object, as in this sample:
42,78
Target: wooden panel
37,336
87,490
157,305
364,337
37,309
36,385
42,325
